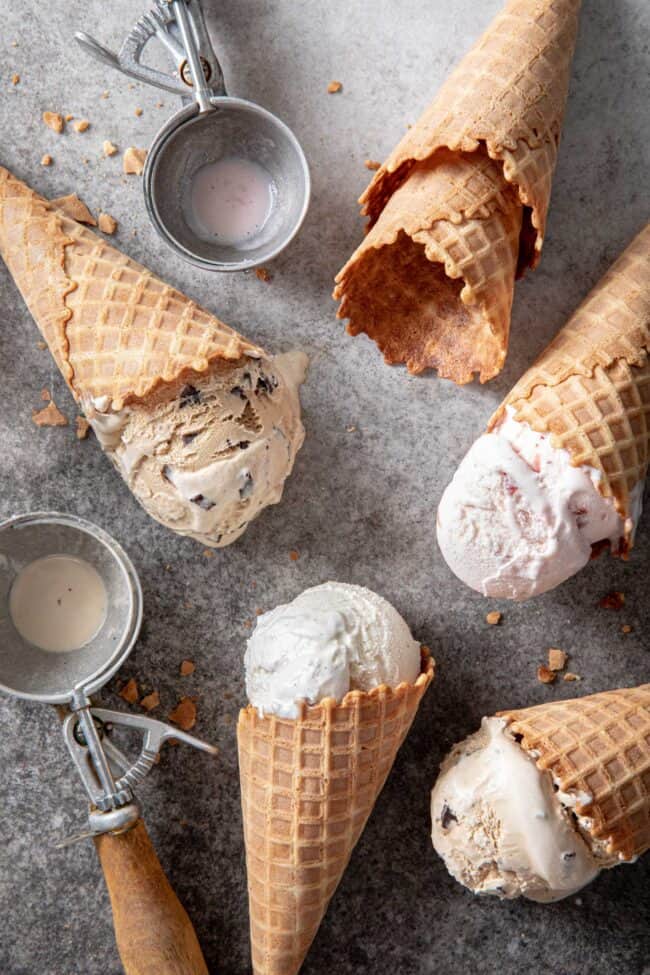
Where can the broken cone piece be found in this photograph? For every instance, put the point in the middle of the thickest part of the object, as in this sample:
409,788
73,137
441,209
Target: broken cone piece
184,714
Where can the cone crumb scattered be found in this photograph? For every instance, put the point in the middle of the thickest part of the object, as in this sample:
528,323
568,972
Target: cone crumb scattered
54,121
130,691
50,416
557,658
150,701
106,223
613,600
133,161
184,714
545,675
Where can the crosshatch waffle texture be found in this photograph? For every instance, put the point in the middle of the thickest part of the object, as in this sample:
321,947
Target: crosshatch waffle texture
590,388
598,745
115,329
501,109
308,786
443,254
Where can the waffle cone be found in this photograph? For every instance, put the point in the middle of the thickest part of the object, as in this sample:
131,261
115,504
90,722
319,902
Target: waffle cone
461,203
115,330
308,787
597,749
590,389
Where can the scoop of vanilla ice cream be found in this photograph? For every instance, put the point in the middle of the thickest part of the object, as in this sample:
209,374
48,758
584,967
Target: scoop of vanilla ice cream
331,639
205,455
518,518
499,825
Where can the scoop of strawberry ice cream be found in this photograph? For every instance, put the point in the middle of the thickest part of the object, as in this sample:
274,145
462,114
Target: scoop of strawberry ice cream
518,518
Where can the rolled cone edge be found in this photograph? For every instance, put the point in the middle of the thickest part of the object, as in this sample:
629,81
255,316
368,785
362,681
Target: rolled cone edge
432,284
507,94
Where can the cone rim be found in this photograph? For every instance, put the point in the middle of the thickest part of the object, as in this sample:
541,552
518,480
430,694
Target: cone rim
357,697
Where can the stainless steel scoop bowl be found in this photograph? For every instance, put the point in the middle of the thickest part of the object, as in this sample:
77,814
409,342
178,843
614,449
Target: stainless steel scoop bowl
58,678
211,126
191,140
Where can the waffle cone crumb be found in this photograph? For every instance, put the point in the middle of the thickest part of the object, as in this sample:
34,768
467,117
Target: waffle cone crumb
545,675
50,416
557,658
150,701
54,121
130,692
184,714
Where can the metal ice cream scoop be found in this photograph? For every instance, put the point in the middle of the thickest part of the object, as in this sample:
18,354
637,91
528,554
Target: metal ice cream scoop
138,887
211,127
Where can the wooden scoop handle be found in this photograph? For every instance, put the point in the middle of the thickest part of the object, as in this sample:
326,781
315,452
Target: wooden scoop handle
154,934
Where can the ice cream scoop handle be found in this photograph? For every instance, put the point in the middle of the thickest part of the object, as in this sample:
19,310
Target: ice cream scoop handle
153,932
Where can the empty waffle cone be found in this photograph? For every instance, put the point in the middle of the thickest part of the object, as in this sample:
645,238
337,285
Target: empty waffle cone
115,330
590,388
461,203
597,749
308,787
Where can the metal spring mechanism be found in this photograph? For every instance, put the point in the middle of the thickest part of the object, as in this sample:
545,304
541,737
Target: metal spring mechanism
108,776
164,22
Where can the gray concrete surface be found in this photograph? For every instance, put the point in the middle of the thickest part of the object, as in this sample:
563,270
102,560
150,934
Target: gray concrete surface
360,506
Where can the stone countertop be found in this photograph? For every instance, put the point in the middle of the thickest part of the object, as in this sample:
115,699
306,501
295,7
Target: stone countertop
360,506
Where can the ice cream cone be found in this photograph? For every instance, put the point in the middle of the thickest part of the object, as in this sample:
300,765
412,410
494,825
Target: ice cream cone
590,388
308,787
115,330
461,202
597,749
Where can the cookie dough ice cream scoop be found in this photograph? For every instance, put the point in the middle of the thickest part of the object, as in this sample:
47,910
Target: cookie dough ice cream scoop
201,423
559,474
538,801
205,455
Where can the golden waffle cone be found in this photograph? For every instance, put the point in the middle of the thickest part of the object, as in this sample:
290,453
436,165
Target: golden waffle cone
590,388
308,787
115,330
597,747
462,201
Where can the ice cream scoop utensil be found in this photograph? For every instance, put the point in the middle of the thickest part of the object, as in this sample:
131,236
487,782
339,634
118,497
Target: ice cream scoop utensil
210,127
153,932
